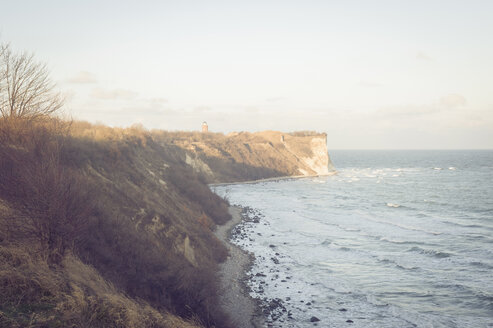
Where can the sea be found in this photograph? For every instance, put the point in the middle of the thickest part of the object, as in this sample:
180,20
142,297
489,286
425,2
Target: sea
393,239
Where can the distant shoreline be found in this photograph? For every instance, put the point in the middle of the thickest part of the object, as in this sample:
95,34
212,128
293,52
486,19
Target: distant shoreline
288,177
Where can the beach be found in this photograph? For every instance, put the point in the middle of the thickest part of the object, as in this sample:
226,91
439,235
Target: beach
236,301
395,239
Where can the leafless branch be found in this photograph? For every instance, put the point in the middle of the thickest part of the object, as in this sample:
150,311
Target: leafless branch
25,87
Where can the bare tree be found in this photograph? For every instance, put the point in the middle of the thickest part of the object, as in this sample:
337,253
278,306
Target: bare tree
25,87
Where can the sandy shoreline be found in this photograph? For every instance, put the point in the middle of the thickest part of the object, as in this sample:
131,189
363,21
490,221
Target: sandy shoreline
236,301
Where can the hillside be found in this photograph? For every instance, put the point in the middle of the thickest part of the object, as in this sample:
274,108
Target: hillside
107,227
242,156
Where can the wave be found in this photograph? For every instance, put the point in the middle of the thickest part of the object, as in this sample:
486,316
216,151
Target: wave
349,173
483,238
472,225
349,229
482,210
399,266
430,252
480,298
326,266
486,300
393,205
481,265
406,227
401,242
451,168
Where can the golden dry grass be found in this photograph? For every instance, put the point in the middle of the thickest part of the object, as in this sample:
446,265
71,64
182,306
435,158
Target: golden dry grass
74,295
148,256
244,156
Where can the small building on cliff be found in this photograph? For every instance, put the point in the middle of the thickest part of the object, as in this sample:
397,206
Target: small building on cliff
205,127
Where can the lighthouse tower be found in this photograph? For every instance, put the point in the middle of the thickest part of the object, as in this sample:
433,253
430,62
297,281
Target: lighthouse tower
205,127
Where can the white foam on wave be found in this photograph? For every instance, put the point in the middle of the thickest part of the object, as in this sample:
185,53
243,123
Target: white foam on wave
394,241
452,168
376,173
393,205
437,168
326,264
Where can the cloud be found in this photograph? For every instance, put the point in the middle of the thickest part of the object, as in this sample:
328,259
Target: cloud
201,109
423,57
444,104
83,77
158,101
152,112
275,99
407,111
251,109
105,94
368,84
453,100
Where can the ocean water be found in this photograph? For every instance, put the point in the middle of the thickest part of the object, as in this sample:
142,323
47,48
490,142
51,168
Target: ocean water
395,239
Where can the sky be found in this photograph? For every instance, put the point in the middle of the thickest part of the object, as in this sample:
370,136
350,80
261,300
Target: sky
371,74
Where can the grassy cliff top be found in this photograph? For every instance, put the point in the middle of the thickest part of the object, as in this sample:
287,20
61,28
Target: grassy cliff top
241,156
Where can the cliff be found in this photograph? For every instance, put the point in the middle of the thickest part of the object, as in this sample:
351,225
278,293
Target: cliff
107,227
242,156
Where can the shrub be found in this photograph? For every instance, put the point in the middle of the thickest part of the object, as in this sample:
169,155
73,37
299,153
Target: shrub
53,202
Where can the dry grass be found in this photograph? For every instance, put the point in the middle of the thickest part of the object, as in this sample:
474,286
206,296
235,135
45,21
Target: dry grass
127,206
74,295
53,203
245,156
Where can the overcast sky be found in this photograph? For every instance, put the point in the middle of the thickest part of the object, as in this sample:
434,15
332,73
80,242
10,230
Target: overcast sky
372,74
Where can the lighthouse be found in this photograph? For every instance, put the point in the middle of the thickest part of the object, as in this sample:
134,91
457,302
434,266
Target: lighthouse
205,127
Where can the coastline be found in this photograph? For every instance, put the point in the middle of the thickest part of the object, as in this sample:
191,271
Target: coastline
288,177
244,311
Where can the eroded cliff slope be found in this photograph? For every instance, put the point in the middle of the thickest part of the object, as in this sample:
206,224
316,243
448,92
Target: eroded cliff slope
103,227
242,156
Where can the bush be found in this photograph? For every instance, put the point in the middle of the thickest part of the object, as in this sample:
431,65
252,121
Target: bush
54,203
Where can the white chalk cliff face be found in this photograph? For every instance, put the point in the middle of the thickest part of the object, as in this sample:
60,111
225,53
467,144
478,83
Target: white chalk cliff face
252,156
319,162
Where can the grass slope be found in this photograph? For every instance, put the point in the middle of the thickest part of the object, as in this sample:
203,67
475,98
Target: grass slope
104,227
